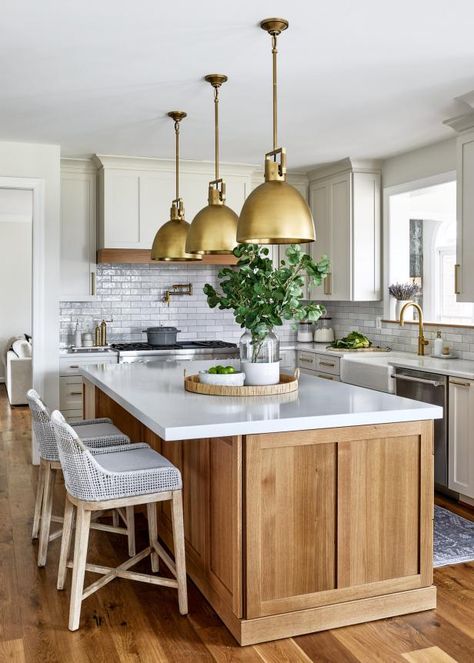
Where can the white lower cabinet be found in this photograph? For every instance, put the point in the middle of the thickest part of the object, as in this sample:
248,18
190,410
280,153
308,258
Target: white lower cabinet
319,365
461,436
71,391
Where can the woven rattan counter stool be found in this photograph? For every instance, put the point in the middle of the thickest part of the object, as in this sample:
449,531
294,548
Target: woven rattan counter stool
128,476
96,434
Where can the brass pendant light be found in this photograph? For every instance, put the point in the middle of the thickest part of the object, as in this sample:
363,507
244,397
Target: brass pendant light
170,240
275,212
214,228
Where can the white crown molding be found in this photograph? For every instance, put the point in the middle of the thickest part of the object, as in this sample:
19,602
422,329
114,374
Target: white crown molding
344,165
462,122
79,165
118,162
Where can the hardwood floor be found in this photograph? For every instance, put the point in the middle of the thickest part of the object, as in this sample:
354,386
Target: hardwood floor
135,622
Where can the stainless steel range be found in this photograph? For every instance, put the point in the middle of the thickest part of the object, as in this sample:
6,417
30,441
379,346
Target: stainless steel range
184,350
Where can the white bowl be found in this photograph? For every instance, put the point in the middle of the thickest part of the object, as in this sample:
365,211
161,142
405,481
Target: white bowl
226,379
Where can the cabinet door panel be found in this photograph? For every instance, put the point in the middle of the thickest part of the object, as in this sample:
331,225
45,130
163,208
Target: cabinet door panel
366,240
378,510
291,521
461,450
341,237
78,242
319,201
156,194
122,209
465,214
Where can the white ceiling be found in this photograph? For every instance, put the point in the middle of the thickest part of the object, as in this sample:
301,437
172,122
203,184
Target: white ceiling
363,79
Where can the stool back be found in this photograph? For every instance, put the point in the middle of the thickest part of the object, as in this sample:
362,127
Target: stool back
81,472
42,428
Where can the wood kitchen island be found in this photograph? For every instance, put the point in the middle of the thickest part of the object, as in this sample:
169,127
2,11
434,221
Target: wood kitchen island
302,512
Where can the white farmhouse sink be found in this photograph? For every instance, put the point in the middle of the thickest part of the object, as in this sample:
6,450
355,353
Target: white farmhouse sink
370,369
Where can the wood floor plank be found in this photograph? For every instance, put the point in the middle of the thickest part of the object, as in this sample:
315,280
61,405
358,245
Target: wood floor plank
12,650
443,634
383,640
324,647
429,655
282,651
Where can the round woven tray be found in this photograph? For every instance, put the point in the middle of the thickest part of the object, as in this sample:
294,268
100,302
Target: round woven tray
287,384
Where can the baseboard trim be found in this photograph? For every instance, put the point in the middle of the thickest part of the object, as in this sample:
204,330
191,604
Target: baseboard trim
323,618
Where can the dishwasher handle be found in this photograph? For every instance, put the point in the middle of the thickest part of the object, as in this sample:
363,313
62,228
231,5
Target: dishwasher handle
408,378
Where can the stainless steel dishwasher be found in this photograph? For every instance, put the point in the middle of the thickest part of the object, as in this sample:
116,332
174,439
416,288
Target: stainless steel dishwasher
429,388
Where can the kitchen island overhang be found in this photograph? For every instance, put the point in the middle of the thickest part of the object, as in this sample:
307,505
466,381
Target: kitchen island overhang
289,530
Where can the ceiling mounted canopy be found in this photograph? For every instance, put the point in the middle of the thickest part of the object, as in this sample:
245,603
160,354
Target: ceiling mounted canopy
170,240
275,212
214,228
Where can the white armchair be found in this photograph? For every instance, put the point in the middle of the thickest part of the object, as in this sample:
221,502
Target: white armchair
18,377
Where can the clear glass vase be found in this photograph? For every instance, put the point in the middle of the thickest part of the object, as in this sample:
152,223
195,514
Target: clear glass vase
261,350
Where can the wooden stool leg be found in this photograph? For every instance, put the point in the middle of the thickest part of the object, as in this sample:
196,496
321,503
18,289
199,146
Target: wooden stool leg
79,566
65,542
38,501
179,554
115,518
153,534
49,476
130,511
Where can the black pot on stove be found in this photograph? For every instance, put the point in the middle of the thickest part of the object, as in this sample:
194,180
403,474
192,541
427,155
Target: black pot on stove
161,335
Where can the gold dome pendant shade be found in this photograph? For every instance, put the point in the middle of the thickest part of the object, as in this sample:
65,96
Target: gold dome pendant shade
214,228
170,240
275,212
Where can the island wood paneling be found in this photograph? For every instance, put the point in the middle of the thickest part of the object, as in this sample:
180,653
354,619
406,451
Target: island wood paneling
337,515
378,510
291,523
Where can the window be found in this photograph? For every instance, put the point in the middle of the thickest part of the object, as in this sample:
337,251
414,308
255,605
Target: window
422,250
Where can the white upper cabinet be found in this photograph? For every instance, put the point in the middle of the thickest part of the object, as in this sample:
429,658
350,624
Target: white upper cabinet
78,230
465,218
345,201
136,194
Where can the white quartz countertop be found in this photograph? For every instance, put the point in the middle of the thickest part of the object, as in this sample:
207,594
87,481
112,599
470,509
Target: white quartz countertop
458,368
153,393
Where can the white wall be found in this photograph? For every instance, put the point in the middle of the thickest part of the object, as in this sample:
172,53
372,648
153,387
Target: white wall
421,163
26,160
16,216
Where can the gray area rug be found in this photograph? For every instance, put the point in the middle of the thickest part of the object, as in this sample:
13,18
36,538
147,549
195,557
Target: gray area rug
453,538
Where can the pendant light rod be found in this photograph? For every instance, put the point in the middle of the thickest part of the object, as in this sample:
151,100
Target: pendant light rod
216,133
274,27
177,116
216,80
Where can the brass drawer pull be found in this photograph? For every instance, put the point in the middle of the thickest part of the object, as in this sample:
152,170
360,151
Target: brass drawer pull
308,361
73,366
328,284
93,292
457,291
327,363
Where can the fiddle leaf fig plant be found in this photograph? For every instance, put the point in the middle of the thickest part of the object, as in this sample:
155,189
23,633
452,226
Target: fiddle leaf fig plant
263,296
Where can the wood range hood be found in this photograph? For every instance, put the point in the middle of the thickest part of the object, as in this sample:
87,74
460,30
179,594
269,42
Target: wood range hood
135,256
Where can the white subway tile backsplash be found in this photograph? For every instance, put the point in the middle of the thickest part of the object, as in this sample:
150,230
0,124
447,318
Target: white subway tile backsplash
132,296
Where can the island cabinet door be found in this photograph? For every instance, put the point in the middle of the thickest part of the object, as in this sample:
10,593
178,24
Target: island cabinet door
336,515
212,504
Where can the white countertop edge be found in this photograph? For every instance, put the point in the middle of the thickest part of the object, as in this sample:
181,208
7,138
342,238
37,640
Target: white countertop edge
177,433
448,369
